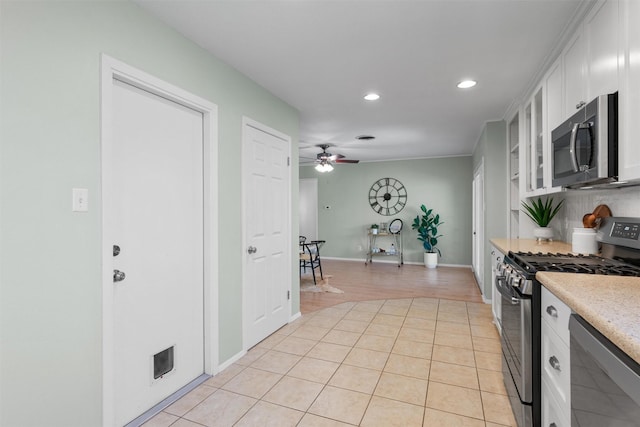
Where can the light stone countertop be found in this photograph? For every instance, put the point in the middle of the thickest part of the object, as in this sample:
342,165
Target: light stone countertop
530,245
611,304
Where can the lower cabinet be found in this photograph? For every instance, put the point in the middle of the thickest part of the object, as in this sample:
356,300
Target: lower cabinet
556,362
552,413
496,259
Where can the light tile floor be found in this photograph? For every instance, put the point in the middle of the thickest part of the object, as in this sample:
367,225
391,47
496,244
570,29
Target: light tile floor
403,362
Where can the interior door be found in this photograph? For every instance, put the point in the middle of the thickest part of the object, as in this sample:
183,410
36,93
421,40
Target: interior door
478,225
267,272
308,199
157,216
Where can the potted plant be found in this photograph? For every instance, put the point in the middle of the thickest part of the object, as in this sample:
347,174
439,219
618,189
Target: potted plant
542,214
374,228
427,227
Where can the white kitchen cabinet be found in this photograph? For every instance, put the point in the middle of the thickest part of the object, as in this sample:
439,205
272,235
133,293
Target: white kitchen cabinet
602,49
496,301
513,136
535,159
553,116
590,59
552,414
555,359
629,91
574,81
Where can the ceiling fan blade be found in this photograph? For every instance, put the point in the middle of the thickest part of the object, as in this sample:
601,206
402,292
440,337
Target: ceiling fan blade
346,161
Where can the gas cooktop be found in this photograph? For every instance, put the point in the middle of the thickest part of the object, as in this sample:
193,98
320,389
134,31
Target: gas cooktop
570,263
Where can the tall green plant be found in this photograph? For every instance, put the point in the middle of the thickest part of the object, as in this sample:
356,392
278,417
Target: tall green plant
541,213
427,227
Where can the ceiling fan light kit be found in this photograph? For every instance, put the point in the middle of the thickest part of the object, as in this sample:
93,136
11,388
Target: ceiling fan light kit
324,167
325,160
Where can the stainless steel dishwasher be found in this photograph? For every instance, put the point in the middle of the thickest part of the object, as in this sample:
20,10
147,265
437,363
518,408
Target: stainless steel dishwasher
605,382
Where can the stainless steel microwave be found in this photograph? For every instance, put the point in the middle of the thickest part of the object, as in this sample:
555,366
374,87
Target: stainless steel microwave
585,147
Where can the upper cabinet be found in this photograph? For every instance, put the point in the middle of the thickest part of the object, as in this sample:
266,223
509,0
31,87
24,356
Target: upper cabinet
629,91
591,57
602,49
542,113
574,80
513,136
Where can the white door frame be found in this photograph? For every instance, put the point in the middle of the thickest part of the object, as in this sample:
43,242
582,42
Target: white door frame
246,121
114,69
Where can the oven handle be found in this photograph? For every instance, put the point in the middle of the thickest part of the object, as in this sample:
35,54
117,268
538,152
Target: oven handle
509,292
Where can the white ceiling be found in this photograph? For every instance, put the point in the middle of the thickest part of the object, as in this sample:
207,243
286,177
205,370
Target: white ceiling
323,56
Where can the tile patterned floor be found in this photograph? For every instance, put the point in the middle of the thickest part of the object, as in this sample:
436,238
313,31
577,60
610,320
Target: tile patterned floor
403,362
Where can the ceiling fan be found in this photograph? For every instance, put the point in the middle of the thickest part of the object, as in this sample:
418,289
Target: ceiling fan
325,159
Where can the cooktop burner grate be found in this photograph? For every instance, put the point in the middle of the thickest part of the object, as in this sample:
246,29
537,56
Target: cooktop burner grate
570,263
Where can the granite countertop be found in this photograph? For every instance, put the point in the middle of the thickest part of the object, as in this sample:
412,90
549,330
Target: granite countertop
529,245
611,304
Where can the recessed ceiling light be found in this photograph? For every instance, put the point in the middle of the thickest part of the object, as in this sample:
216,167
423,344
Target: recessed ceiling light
365,137
466,84
371,96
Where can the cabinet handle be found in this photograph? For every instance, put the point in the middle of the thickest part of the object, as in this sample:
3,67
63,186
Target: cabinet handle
555,363
551,311
580,105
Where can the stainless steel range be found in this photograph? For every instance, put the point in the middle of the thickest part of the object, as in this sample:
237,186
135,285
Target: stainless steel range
520,294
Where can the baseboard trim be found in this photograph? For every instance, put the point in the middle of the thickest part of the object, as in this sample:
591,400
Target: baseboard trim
167,402
391,261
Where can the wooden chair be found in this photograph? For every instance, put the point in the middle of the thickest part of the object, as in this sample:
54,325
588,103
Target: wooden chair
310,256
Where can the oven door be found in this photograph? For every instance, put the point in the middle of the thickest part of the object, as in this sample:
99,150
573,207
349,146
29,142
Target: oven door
516,350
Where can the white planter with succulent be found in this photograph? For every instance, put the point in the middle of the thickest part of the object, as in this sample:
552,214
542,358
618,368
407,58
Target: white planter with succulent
427,228
542,214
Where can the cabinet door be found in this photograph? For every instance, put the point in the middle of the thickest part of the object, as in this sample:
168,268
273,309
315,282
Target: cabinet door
554,116
602,49
574,74
629,95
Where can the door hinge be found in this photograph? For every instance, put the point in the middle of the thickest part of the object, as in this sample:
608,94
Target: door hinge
288,161
288,295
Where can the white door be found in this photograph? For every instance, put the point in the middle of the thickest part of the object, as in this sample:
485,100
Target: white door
478,225
157,220
267,271
308,199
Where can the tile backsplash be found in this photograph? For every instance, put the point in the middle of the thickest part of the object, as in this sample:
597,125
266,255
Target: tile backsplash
621,201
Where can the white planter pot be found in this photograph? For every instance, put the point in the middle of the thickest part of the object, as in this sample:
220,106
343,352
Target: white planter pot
374,231
543,233
431,259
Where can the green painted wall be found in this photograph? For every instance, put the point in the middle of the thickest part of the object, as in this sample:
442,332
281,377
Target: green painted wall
492,149
443,184
51,330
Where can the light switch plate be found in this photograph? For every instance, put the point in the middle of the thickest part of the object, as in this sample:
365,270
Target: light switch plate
80,200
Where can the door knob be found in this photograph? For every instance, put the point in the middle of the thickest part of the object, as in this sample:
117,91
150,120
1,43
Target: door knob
118,276
252,249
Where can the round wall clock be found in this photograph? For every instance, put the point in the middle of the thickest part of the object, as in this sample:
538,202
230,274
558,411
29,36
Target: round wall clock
387,196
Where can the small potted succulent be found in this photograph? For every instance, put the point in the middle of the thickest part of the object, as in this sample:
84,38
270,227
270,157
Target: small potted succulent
542,214
374,228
